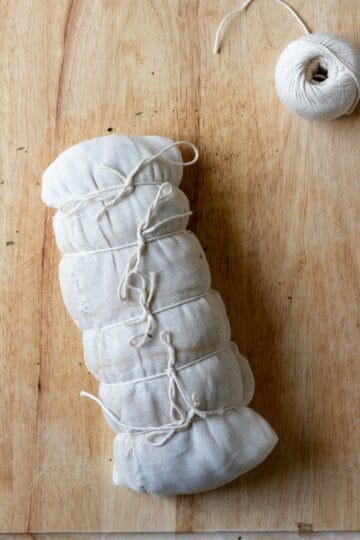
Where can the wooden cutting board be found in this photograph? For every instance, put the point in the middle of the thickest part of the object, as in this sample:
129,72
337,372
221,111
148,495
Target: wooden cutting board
276,202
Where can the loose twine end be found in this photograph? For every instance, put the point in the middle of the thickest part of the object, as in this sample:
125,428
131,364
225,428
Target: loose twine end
241,9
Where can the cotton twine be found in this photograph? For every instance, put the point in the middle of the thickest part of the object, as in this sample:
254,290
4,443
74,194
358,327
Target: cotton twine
317,76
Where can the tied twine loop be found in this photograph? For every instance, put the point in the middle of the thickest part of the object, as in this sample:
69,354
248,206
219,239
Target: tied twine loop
127,188
133,280
133,263
71,207
145,292
147,283
181,416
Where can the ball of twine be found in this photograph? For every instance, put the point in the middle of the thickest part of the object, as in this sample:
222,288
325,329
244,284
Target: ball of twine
317,77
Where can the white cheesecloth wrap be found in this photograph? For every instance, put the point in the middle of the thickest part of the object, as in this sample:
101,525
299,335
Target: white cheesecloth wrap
173,386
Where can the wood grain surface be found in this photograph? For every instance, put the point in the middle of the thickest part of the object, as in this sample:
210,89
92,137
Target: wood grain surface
276,202
184,536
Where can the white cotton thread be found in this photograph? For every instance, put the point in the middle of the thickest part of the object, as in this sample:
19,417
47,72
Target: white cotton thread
131,244
181,418
139,319
71,207
317,76
144,286
241,9
216,352
128,185
214,449
146,289
146,294
133,263
147,283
